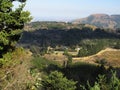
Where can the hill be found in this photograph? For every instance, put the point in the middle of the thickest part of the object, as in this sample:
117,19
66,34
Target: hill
101,20
109,55
61,35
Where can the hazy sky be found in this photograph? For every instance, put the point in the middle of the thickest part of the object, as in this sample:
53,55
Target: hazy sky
70,9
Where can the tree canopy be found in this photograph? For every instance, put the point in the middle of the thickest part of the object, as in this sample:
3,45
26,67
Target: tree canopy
11,24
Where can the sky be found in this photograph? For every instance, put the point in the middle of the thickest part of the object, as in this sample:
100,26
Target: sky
66,10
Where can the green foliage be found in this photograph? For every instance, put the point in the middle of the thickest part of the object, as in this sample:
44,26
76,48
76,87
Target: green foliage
90,47
102,81
69,57
95,87
1,62
11,24
103,84
41,63
114,82
90,42
56,81
82,52
117,46
51,25
69,61
101,62
66,52
12,58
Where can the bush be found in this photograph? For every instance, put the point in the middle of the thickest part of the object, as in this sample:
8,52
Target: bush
103,84
12,58
56,81
41,63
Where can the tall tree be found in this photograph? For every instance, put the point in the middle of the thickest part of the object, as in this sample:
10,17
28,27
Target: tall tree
11,24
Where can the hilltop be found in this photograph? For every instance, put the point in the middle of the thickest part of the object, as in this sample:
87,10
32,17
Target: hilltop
100,20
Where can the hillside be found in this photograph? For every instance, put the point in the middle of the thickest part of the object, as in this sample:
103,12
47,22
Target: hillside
101,20
14,72
110,56
63,37
50,25
56,45
53,55
41,41
49,49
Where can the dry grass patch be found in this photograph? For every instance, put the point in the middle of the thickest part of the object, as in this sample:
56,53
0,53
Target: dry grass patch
56,57
112,57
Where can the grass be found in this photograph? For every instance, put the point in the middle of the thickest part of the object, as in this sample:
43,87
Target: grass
112,57
41,63
14,68
78,71
59,58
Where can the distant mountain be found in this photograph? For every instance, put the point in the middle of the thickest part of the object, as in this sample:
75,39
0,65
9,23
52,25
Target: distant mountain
101,20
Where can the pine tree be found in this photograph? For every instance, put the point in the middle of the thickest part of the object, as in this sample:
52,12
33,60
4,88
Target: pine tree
11,24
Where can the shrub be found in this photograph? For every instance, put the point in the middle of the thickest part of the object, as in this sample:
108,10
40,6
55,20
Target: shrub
56,81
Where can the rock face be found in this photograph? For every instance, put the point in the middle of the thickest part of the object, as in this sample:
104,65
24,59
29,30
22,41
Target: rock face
101,20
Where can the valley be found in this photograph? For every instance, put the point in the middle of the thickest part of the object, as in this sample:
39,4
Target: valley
59,45
81,52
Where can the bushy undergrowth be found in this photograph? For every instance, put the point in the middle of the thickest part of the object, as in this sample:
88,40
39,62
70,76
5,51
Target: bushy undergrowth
93,46
104,83
42,63
8,63
12,58
88,76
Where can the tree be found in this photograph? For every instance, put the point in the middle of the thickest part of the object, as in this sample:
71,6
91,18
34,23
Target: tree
69,61
82,52
56,81
11,24
104,83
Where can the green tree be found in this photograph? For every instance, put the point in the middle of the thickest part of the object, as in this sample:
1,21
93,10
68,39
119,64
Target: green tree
56,81
11,24
69,61
82,52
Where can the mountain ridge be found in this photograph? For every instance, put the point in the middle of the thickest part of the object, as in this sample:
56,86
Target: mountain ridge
101,20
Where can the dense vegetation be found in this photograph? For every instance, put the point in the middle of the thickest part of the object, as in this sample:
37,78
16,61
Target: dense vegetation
11,24
88,40
12,21
82,76
56,81
22,70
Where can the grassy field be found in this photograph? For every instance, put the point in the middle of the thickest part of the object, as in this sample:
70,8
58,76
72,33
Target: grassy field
111,56
58,57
